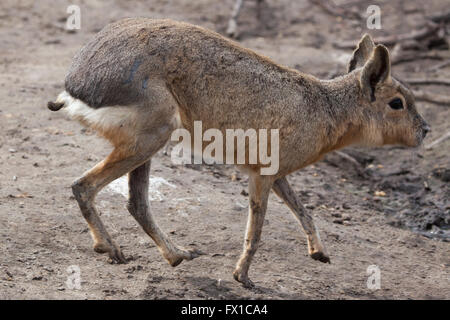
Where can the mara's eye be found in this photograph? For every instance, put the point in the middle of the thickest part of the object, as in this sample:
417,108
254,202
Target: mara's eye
396,104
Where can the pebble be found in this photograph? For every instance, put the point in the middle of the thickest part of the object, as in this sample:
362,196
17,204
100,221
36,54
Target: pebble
336,215
346,217
380,193
346,206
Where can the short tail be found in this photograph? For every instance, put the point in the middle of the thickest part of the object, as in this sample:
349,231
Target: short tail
55,106
62,101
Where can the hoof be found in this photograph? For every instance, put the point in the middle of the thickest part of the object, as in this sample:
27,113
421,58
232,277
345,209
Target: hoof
117,257
185,255
115,254
320,256
176,262
243,279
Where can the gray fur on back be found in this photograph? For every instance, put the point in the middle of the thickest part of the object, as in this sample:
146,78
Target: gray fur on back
122,60
110,69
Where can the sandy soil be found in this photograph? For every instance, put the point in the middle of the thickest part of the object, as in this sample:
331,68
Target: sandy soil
42,233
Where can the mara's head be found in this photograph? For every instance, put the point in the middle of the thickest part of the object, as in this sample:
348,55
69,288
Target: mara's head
388,108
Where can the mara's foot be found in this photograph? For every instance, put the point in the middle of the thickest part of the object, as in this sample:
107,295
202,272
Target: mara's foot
176,258
320,256
113,250
243,279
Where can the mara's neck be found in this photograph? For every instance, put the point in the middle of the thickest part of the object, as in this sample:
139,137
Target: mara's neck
340,99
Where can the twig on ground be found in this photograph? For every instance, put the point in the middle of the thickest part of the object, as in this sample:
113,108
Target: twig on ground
440,65
349,158
415,56
334,10
428,30
437,141
232,24
442,17
432,97
442,82
287,276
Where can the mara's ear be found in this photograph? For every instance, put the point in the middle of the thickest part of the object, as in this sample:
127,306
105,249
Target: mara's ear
375,71
362,53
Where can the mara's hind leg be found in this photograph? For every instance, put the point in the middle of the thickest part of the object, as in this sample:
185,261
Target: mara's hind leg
138,206
123,159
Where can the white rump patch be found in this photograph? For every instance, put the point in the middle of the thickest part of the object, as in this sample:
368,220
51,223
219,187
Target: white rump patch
104,117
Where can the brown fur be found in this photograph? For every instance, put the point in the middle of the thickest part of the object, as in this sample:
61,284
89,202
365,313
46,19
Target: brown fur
161,68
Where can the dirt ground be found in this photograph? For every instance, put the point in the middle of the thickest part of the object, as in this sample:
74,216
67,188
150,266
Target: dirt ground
404,232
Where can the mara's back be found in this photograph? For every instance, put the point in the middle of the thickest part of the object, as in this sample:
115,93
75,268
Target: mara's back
200,67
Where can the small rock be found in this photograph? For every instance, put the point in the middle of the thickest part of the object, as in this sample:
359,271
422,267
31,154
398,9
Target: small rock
48,269
336,215
346,217
218,255
380,193
55,41
442,174
9,274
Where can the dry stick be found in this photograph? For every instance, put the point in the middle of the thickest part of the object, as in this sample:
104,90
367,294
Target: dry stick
432,97
442,82
352,160
335,10
416,56
440,17
440,65
349,3
348,157
286,276
437,141
232,23
428,30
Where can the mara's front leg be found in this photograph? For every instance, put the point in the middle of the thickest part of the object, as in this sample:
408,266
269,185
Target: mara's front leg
259,189
315,248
